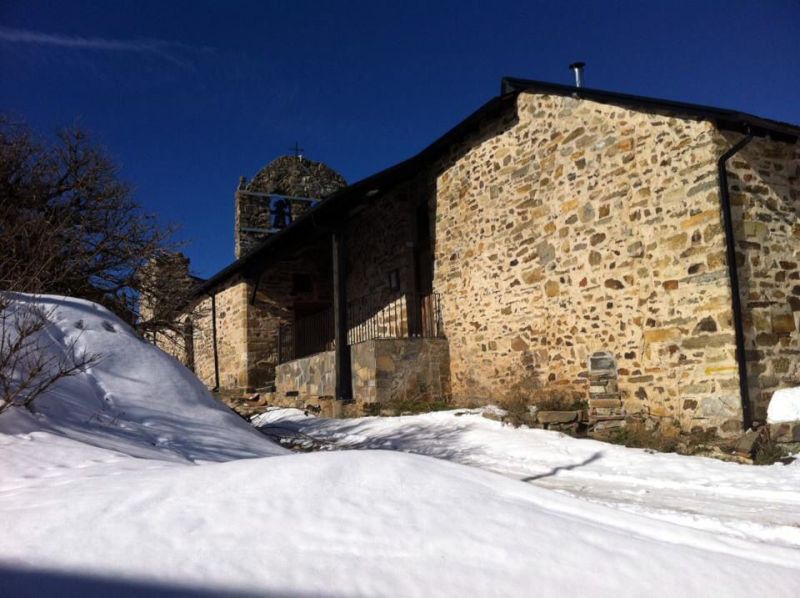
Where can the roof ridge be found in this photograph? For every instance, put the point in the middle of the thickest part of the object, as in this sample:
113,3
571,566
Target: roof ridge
723,117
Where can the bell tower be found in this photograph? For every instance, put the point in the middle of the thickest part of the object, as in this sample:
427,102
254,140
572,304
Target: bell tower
279,194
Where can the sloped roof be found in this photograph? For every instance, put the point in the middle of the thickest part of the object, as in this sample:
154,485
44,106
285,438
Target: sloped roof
326,214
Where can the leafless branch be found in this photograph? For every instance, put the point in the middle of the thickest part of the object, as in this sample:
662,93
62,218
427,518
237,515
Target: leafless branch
29,365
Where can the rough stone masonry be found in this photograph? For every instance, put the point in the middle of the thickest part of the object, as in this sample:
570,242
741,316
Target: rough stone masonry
589,227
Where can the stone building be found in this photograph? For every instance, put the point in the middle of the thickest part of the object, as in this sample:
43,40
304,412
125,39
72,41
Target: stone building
554,232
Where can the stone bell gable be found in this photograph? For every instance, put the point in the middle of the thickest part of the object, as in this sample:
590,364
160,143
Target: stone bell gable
278,194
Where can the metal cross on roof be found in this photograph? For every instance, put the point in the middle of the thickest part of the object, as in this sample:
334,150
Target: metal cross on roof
298,151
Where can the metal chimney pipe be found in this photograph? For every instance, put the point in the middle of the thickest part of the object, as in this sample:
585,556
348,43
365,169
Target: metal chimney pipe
577,68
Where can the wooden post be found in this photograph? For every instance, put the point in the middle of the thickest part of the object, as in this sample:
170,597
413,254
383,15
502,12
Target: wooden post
344,384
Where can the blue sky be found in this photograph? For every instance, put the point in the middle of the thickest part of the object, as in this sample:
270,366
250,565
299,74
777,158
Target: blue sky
188,96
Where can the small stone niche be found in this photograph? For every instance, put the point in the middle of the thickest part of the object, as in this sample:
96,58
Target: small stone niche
605,401
603,364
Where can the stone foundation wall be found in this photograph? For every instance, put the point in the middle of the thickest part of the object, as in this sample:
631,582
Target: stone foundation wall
415,369
309,377
585,227
764,182
383,371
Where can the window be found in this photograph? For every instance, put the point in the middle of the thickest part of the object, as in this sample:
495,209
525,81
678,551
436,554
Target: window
394,280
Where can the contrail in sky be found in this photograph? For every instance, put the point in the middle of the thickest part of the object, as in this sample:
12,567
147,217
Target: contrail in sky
141,46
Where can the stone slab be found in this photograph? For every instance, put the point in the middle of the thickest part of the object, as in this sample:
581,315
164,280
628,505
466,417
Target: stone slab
557,417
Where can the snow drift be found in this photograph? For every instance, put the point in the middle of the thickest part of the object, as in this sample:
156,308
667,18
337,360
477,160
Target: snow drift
136,399
131,480
784,406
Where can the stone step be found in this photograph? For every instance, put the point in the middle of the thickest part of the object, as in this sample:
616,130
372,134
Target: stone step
557,417
599,413
605,418
608,425
615,396
604,403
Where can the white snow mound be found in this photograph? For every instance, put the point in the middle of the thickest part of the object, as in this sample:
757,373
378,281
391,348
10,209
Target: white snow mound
136,399
784,406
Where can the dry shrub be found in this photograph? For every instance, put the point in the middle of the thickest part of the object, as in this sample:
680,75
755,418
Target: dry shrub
767,451
560,399
521,405
518,411
407,406
664,438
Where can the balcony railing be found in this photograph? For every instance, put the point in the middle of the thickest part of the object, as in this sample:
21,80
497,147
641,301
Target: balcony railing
406,316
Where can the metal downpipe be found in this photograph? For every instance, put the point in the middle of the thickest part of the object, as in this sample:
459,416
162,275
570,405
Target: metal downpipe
736,302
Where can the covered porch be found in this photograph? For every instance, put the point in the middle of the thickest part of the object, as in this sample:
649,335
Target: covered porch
396,352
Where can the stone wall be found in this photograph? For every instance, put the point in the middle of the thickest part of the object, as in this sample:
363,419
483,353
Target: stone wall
162,286
231,322
178,343
581,227
384,370
408,370
378,242
307,377
251,212
764,180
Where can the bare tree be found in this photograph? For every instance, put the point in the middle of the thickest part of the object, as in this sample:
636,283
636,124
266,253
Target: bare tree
69,226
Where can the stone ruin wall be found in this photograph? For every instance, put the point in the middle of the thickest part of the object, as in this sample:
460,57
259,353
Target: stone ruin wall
764,182
168,271
175,343
586,227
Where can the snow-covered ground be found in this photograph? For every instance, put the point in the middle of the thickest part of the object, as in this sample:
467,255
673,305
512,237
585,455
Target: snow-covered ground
131,480
743,501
